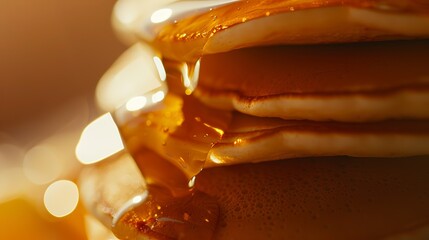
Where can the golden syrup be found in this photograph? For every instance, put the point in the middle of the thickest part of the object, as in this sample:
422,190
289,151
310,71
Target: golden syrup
163,216
180,130
184,76
170,140
184,37
170,143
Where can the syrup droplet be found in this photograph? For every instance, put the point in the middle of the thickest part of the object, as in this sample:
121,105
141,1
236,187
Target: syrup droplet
186,73
190,75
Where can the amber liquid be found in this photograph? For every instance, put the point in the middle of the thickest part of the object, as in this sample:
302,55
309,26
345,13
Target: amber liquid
170,144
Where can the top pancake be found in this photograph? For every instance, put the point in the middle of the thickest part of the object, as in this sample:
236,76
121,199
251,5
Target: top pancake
255,23
365,84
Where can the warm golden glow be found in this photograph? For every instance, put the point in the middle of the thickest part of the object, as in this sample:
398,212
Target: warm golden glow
191,182
135,73
185,72
190,74
161,15
158,96
9,190
133,202
136,103
126,12
137,199
140,102
95,230
238,141
42,164
10,153
99,140
160,67
188,92
61,198
218,130
132,16
213,158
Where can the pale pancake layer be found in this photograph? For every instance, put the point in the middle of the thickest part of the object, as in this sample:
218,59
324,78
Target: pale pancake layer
189,134
253,139
343,82
313,198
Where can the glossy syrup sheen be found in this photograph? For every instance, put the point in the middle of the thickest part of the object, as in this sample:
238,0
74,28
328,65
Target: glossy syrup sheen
186,37
171,142
170,145
182,131
313,198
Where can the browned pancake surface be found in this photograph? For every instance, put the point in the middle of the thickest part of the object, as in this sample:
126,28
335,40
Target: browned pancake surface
326,69
320,198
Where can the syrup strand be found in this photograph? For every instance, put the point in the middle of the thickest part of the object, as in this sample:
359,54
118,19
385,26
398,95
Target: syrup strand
182,76
181,131
170,143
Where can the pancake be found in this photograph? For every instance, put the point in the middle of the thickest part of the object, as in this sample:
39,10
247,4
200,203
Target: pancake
186,37
310,198
363,82
191,167
195,133
294,139
343,82
299,198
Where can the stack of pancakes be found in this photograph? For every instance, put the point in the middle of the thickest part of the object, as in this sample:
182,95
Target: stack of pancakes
329,134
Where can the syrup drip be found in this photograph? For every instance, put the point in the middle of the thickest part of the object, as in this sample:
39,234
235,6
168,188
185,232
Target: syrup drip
186,73
182,131
170,140
190,74
186,36
170,143
162,216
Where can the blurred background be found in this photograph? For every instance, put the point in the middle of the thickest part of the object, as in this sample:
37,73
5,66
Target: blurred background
52,53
